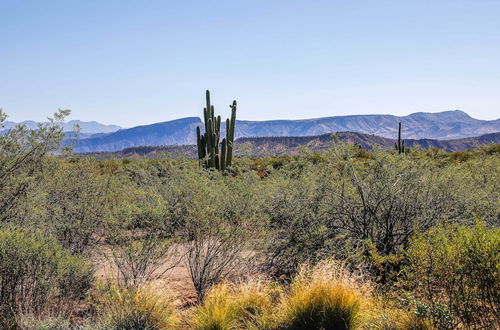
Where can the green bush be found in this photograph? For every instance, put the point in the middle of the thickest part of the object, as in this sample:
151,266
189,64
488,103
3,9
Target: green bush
37,275
459,266
75,204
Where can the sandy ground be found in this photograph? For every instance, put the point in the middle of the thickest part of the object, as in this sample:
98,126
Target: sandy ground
174,282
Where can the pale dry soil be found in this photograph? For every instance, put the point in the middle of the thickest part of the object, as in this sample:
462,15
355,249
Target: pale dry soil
175,282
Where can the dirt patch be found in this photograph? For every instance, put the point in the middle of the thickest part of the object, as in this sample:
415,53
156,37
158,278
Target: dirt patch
174,282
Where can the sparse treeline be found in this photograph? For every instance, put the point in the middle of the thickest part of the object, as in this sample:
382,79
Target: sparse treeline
374,239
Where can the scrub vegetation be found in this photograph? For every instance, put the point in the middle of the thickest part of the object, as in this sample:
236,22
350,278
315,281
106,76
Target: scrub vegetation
342,239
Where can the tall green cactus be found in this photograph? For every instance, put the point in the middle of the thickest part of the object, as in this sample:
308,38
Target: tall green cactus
400,145
209,153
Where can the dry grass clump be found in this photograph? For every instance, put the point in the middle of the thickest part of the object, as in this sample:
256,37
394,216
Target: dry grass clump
135,308
397,319
326,296
243,305
32,322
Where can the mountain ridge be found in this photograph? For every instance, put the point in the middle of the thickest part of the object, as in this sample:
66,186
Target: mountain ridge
86,127
453,124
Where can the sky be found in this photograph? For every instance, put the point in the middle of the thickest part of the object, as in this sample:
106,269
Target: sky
139,62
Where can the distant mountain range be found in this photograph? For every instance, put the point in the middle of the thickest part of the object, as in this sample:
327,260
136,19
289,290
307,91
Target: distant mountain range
292,145
442,125
86,127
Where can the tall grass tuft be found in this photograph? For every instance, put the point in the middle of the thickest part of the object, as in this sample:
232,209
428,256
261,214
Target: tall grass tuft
135,308
398,319
243,305
327,296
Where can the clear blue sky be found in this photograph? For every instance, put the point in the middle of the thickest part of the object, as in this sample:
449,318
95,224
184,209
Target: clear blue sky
138,62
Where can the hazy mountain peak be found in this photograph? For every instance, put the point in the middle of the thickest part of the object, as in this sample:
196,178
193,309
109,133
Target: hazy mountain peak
443,115
87,127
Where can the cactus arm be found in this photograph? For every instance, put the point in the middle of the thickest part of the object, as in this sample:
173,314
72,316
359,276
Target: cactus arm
212,150
223,158
199,142
208,107
399,138
230,135
217,162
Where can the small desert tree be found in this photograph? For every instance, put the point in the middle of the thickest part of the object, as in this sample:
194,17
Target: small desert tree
22,152
218,228
141,233
77,203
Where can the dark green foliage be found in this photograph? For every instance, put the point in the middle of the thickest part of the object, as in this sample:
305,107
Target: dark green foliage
458,265
37,275
213,153
76,205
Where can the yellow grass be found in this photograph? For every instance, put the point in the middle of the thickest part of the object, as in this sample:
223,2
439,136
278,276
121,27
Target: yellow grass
135,308
327,296
244,305
396,319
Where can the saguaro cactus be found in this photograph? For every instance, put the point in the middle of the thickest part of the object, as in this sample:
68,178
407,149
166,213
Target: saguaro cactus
400,145
209,153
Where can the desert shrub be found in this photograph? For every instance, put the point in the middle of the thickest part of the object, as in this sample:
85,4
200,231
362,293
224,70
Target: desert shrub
458,266
141,238
297,229
365,208
242,305
22,155
461,156
134,308
383,199
220,223
358,206
75,203
326,296
490,149
477,188
37,275
142,256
